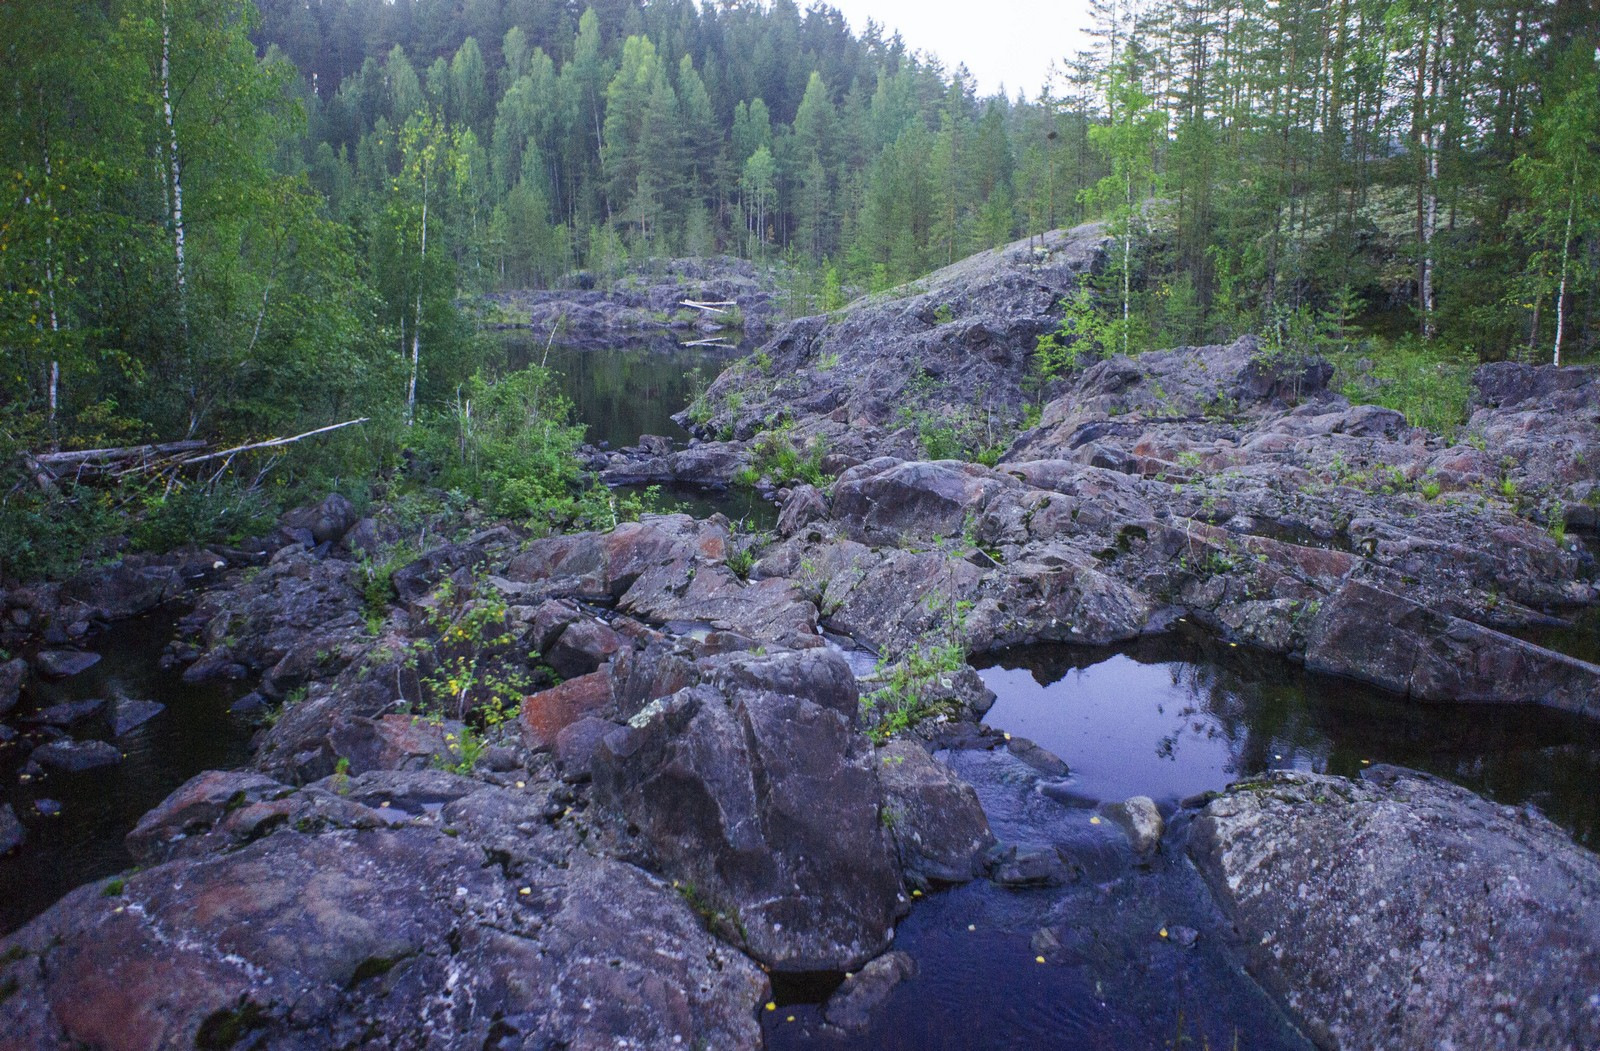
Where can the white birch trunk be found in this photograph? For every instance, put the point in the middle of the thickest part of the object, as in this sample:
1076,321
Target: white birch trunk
1430,224
1566,255
416,323
176,201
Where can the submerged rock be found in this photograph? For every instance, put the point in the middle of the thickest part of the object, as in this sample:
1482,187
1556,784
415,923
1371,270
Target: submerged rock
76,756
1401,911
67,713
12,833
127,715
850,1008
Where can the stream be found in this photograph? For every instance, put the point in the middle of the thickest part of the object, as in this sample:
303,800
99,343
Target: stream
1126,953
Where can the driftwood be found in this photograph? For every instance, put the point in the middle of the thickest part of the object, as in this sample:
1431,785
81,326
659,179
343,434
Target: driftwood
718,307
152,459
715,342
116,455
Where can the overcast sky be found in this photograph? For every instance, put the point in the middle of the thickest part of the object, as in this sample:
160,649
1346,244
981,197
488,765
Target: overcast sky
1010,42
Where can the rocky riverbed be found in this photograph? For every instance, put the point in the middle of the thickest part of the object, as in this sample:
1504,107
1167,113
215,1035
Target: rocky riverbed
687,810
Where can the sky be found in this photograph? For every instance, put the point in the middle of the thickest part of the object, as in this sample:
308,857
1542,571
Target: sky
1002,41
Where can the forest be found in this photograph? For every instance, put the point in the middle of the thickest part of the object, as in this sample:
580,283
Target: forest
226,220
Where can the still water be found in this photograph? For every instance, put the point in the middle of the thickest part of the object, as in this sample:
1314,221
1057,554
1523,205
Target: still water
621,393
83,842
1169,717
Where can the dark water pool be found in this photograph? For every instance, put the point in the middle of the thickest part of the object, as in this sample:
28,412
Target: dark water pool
1182,713
747,509
1169,717
99,807
623,392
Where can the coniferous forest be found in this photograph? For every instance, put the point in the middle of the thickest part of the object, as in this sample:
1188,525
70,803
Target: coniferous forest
230,220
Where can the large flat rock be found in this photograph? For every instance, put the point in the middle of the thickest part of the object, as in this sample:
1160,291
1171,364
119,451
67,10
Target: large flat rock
1403,912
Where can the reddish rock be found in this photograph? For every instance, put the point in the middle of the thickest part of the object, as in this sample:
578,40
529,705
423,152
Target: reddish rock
545,715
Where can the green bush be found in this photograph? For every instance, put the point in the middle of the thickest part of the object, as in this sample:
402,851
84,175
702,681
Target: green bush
202,514
508,443
1429,383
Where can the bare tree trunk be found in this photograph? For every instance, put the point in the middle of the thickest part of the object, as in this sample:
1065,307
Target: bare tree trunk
1566,253
176,201
416,323
50,294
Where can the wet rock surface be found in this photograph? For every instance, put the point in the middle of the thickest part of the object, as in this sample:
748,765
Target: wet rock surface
1404,912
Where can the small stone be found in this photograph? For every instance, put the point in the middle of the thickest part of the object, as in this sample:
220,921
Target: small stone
1141,821
1185,937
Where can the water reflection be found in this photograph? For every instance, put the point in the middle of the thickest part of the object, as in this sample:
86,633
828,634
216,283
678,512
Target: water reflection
1180,714
99,807
623,392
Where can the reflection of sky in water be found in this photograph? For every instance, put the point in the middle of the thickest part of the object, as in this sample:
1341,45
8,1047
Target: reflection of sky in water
1127,728
1174,715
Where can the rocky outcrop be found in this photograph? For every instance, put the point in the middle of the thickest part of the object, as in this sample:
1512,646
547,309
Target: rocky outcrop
1404,912
767,803
939,828
953,345
647,300
402,910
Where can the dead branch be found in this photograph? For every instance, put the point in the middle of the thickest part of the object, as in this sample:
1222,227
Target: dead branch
116,454
717,307
270,443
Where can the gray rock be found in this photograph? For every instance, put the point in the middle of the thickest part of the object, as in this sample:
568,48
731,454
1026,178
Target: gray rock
75,756
769,806
851,1006
805,505
67,713
1030,867
1374,635
194,807
1140,819
59,664
391,936
327,522
120,591
1405,912
582,647
577,743
12,672
12,833
938,825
